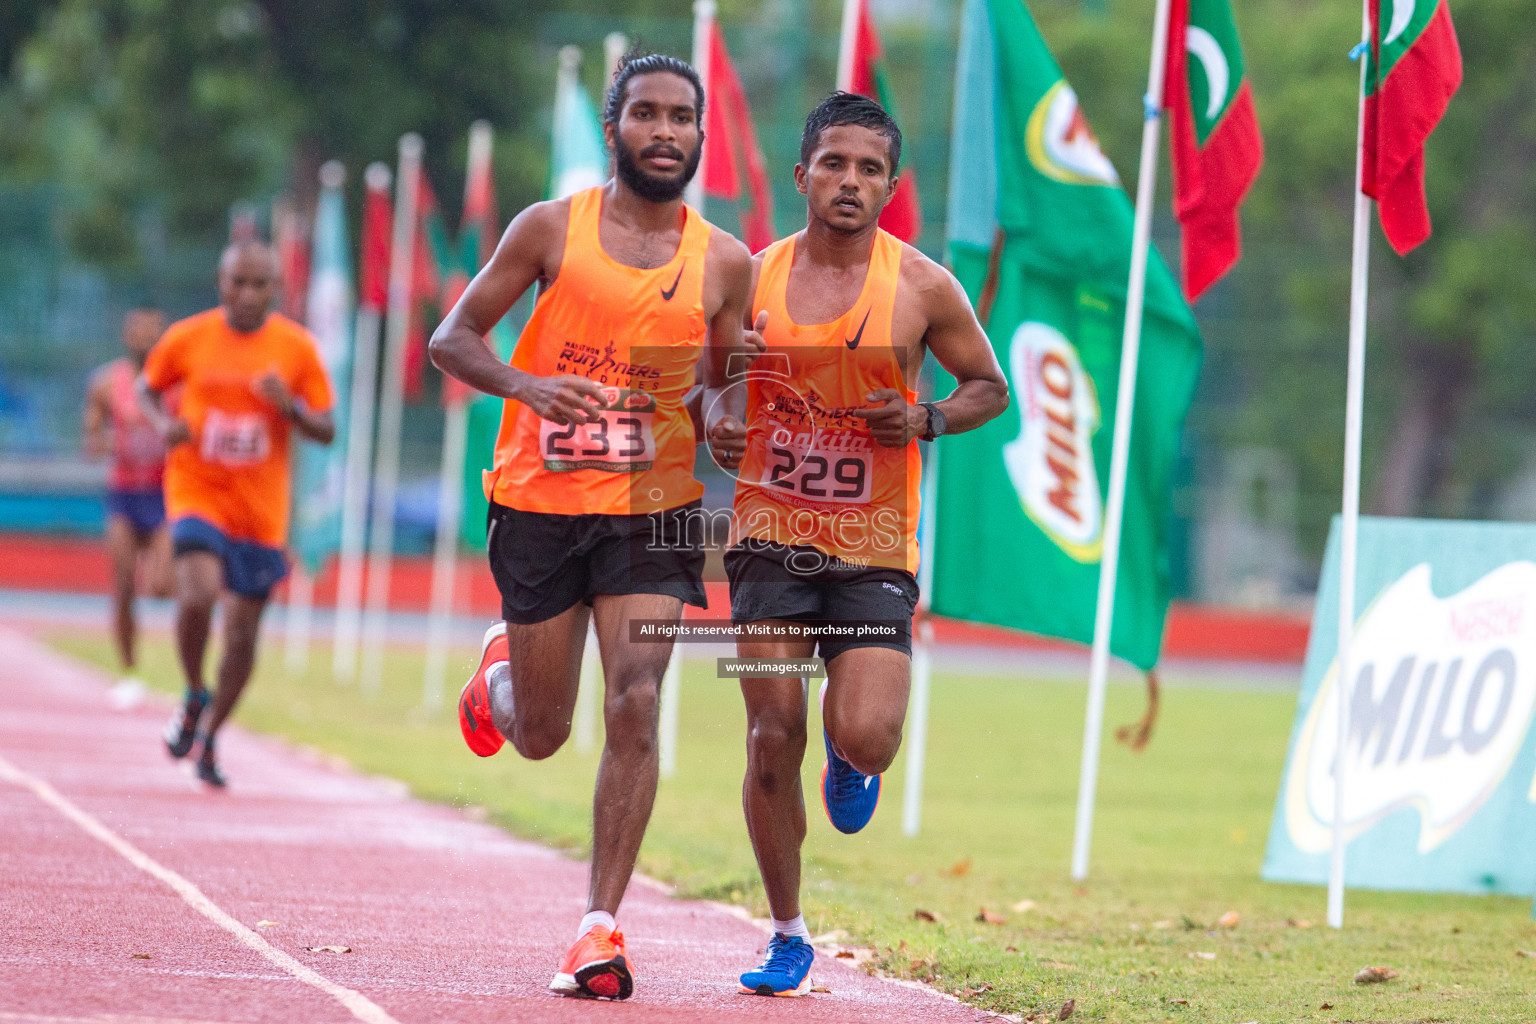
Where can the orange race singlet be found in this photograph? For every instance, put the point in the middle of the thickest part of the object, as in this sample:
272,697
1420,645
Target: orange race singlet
234,471
812,474
138,453
638,333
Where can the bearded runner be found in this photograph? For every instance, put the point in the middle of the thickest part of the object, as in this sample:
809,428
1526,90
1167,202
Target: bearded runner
826,511
592,493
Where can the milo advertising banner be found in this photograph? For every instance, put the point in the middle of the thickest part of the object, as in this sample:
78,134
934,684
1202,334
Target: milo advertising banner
1441,757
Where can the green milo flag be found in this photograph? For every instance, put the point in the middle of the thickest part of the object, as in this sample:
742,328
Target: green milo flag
1040,236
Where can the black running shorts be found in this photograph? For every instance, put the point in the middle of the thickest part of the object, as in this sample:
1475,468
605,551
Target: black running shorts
544,563
801,584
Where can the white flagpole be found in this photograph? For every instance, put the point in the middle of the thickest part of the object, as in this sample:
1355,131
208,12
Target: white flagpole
445,555
391,408
450,492
847,43
354,501
584,724
666,743
703,23
615,45
299,622
1130,353
1354,414
922,655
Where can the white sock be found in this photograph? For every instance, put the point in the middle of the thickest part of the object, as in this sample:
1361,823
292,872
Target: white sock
794,927
497,674
594,918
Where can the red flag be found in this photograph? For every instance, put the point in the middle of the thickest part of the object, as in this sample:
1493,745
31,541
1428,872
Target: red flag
731,142
378,222
1415,69
862,70
426,282
476,242
290,237
1217,148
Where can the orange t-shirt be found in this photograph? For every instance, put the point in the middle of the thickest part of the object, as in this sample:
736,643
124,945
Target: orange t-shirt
812,473
639,333
234,471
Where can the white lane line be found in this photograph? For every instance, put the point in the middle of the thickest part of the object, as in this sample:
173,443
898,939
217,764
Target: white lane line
360,1006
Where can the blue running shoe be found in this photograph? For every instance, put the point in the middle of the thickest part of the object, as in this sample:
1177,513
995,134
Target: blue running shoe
848,796
786,972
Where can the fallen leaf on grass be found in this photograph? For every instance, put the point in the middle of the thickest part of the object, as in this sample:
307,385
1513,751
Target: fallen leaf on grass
822,989
1297,922
1374,975
1229,919
1010,949
844,954
1023,906
959,869
329,949
1202,955
1066,1009
266,924
988,917
1178,1002
927,915
141,956
1326,1006
1528,953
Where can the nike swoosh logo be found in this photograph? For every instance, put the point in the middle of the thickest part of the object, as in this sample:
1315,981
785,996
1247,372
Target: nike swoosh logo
667,293
867,780
853,342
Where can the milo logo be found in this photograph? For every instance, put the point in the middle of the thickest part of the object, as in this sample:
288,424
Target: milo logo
1443,694
1051,461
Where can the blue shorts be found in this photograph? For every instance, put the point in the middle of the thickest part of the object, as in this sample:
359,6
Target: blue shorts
144,510
250,569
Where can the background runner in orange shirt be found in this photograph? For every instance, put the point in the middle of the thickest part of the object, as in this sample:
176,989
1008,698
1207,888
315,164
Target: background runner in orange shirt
249,378
593,498
827,500
137,540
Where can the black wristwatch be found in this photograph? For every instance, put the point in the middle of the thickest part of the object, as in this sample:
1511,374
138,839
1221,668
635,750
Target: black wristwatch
936,421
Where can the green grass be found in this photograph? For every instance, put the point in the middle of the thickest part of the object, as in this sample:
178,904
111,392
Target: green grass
1179,841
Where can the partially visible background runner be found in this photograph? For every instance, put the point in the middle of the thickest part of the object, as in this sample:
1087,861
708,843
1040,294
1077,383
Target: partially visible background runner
826,511
594,506
138,544
248,379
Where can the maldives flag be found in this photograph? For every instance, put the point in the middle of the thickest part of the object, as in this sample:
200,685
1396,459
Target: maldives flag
433,257
861,69
1217,148
477,237
1415,68
378,218
731,147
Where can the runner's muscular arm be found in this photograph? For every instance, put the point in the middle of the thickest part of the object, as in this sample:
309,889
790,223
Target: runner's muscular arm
952,334
96,437
530,251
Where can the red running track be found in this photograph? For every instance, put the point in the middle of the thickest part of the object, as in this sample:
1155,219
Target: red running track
110,853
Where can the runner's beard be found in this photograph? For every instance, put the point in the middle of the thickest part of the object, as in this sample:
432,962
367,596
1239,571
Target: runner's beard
649,187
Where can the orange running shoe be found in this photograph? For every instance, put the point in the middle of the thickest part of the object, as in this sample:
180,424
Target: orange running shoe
475,701
595,967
